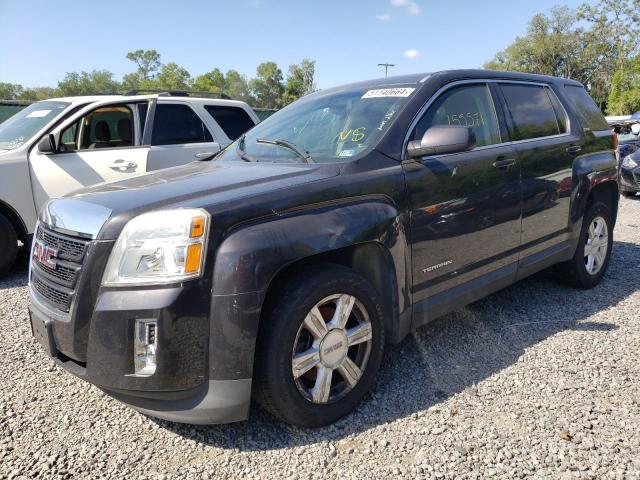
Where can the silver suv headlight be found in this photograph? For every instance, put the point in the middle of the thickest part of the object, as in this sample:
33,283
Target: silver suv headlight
628,162
159,247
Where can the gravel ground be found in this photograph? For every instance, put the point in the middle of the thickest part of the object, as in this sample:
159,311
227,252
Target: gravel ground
536,381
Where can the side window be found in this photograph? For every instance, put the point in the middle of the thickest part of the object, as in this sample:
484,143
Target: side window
586,109
105,127
234,121
178,124
467,106
531,110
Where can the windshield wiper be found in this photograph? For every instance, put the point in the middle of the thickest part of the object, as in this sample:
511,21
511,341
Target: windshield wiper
303,154
243,154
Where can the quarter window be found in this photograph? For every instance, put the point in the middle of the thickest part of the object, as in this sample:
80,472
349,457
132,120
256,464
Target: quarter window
234,121
532,112
467,106
585,107
178,124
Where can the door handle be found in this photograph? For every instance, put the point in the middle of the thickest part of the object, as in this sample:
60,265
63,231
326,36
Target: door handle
204,154
122,165
504,163
574,149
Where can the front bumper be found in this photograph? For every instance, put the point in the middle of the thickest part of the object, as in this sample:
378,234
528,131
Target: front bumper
182,388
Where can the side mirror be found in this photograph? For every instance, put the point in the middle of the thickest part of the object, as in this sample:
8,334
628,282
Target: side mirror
47,144
441,140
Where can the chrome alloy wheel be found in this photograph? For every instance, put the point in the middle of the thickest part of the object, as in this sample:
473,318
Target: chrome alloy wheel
331,349
595,249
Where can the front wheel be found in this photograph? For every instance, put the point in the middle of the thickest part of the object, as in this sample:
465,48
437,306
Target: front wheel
590,262
320,346
8,245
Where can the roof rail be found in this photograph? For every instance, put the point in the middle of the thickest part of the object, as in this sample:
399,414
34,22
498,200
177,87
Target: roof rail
179,93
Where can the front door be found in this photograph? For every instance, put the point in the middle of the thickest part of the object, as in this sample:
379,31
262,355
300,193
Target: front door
101,145
465,207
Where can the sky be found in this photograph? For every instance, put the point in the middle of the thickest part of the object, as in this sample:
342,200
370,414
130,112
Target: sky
42,40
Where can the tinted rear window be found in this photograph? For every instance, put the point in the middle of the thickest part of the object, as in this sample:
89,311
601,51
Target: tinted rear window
178,124
532,112
586,109
234,121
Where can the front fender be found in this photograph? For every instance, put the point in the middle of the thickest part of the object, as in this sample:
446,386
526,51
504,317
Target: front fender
251,256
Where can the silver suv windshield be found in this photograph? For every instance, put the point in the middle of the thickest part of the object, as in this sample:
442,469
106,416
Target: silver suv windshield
335,126
19,128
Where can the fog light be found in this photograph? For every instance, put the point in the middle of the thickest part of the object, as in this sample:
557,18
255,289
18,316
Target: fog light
145,345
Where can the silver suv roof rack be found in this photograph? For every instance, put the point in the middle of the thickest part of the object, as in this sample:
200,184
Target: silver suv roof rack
180,93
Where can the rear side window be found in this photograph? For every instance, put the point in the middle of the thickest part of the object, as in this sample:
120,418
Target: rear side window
586,109
532,112
177,124
234,121
466,106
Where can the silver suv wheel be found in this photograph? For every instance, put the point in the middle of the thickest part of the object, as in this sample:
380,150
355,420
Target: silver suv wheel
596,246
331,349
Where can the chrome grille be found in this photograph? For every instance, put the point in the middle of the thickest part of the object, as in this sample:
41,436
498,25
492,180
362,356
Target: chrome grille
55,281
69,248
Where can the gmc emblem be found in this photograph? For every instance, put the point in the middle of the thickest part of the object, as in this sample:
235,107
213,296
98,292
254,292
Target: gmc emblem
44,254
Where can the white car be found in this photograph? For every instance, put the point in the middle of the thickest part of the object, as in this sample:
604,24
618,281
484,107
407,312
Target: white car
56,146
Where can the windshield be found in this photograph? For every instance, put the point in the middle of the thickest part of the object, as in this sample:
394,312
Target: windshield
331,127
19,128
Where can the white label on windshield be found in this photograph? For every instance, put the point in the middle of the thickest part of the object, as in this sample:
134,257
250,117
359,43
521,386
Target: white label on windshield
389,92
39,113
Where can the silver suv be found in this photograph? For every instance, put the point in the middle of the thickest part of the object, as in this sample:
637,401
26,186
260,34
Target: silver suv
56,146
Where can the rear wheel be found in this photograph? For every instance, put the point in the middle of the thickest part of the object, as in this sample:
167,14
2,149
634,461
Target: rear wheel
590,262
8,245
320,346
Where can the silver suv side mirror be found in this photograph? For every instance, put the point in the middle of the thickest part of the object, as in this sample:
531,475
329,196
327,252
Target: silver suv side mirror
47,144
440,140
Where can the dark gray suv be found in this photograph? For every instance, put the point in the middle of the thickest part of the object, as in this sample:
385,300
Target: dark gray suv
281,267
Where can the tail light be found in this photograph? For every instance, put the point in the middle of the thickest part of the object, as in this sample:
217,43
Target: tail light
616,140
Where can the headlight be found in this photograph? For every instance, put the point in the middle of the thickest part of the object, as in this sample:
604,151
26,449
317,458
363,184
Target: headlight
159,247
628,162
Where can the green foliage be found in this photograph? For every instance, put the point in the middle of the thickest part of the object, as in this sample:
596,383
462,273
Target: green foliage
587,45
268,89
87,83
625,90
299,80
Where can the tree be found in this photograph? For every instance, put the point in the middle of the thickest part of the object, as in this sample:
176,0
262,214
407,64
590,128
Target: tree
37,93
625,90
237,87
587,45
173,77
10,91
299,81
267,87
87,83
212,81
148,62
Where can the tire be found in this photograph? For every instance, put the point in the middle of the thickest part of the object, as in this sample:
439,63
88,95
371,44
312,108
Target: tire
577,272
311,300
628,194
8,245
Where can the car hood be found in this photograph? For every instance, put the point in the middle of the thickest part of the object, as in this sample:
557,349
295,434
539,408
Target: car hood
199,184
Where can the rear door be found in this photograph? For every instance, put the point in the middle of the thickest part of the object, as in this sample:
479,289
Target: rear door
546,149
102,142
178,136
